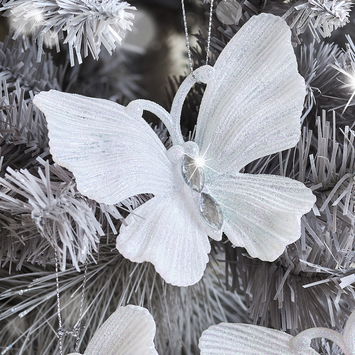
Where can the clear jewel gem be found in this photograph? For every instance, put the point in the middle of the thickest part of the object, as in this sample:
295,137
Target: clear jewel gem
211,211
194,176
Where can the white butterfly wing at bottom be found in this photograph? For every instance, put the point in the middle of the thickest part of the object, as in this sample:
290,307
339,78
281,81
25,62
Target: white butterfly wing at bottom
246,339
262,213
129,330
166,232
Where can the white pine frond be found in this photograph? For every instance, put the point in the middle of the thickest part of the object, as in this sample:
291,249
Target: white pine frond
65,220
322,17
84,25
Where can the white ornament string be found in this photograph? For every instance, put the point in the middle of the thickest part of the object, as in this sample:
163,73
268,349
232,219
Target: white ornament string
187,40
75,332
59,315
209,32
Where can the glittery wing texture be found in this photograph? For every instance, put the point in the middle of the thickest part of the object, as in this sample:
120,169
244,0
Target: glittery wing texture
246,339
252,105
129,330
349,333
262,212
166,232
112,154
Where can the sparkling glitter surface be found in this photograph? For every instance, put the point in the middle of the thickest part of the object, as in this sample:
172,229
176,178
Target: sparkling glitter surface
247,339
130,330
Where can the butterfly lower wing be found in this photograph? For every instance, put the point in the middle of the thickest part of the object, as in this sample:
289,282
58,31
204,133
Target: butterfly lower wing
166,232
262,213
246,339
252,104
112,154
130,330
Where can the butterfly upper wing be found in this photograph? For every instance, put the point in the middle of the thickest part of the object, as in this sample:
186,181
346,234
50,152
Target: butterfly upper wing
246,339
112,154
130,330
253,102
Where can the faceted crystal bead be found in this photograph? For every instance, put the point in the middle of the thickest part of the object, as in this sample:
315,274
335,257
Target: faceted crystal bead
193,175
211,211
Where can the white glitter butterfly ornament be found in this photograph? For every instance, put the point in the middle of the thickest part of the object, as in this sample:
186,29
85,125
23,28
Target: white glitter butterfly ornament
248,339
251,108
130,330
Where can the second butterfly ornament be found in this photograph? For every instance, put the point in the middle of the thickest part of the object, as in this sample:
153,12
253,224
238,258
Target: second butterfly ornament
251,108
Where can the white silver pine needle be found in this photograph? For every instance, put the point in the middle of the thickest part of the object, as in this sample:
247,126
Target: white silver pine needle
316,62
181,314
348,72
64,219
322,17
18,65
84,25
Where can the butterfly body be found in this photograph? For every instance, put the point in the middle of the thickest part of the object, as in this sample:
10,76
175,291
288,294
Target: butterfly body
190,170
